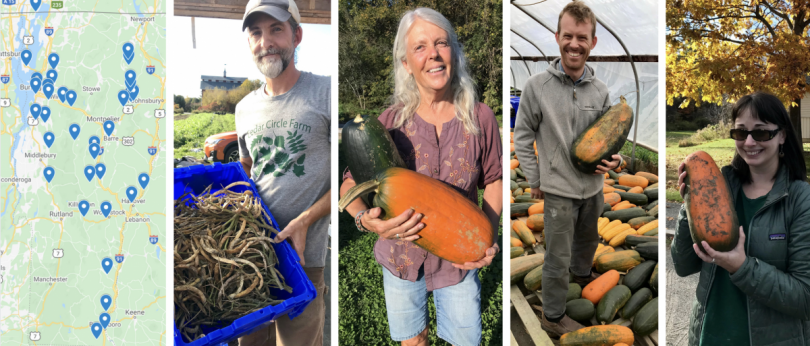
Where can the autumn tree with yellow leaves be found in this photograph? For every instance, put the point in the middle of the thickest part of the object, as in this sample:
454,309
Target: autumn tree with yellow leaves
723,50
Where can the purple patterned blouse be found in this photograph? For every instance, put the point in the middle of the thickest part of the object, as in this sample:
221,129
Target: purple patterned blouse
465,161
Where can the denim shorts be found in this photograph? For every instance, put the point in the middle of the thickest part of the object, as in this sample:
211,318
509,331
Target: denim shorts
458,308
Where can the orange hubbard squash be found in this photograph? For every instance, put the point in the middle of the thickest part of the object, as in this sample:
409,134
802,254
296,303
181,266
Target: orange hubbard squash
606,335
708,203
633,180
603,138
595,290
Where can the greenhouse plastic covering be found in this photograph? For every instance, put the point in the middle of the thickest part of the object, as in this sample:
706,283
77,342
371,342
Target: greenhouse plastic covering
635,22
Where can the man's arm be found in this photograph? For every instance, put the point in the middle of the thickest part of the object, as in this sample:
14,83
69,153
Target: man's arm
527,125
298,228
247,164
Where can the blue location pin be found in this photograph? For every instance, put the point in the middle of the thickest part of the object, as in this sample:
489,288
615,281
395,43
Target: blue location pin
106,301
100,170
129,77
143,179
62,93
45,114
96,328
89,172
133,92
48,137
106,207
74,131
48,173
106,264
129,52
132,192
84,207
104,318
123,97
35,110
26,56
35,4
53,60
71,97
48,89
36,75
94,148
35,85
109,126
52,75
93,139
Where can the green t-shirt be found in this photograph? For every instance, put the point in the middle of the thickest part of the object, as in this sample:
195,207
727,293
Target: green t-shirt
726,318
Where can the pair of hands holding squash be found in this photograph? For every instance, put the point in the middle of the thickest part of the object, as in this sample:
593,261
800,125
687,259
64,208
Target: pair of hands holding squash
730,261
407,225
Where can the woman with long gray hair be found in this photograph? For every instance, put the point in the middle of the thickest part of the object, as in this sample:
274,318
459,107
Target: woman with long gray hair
440,130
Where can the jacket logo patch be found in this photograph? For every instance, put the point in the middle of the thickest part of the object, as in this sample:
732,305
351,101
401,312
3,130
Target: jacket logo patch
780,236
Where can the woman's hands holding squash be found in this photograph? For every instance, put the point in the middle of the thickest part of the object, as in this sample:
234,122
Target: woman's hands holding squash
487,260
731,261
406,225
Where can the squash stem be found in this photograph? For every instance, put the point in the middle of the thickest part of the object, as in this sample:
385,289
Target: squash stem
358,190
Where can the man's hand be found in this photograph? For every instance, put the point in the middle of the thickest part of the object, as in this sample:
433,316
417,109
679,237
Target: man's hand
296,231
608,165
487,260
536,193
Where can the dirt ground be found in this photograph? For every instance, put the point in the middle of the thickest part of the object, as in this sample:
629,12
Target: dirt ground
680,291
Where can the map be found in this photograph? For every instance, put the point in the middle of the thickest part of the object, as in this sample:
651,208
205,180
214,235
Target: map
83,172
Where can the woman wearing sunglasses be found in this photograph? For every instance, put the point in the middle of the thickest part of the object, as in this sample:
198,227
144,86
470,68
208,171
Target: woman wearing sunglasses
759,292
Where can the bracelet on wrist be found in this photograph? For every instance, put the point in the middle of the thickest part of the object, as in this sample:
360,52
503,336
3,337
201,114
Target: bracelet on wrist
358,223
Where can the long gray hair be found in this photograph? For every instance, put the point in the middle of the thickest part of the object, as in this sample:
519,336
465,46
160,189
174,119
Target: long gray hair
406,94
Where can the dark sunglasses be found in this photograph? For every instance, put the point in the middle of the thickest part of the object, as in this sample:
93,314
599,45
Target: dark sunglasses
758,135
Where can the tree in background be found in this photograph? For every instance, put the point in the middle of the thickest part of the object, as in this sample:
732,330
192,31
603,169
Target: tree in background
735,47
219,100
365,49
179,102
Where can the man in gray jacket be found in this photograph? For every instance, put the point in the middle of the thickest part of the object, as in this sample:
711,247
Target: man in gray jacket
555,107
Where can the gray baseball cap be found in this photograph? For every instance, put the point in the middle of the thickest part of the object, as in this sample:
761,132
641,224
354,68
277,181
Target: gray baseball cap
278,9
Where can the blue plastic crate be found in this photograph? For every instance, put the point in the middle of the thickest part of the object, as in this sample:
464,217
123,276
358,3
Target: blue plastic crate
514,101
195,179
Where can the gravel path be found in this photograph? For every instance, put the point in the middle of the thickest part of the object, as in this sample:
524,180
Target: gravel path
680,291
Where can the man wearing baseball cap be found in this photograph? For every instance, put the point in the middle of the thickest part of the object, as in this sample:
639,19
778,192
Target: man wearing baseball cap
284,146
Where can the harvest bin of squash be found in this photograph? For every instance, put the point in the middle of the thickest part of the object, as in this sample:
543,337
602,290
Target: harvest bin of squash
610,307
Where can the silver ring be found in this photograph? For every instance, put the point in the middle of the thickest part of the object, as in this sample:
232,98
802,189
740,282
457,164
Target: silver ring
712,259
398,236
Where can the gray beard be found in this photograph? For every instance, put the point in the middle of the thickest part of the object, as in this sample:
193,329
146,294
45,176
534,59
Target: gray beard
272,69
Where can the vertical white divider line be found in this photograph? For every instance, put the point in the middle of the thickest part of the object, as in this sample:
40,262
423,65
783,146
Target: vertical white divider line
662,192
505,246
333,286
169,241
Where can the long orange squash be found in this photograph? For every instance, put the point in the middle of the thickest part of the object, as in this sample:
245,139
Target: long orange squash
607,335
595,290
456,229
602,139
709,206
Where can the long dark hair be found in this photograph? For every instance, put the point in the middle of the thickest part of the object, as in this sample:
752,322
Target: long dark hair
769,109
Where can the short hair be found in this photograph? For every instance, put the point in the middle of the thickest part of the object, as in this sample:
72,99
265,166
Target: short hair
580,12
770,110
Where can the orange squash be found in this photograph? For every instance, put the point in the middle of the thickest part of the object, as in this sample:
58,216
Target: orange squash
610,182
600,251
603,138
595,290
651,177
708,203
535,222
619,260
636,189
627,205
523,232
456,229
537,208
618,240
513,164
633,180
606,335
608,189
612,198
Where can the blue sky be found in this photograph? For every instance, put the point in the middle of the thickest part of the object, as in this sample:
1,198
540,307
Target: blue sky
220,42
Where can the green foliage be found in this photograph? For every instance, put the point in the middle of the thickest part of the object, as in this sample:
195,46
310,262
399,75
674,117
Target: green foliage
707,134
179,101
363,318
220,100
367,30
191,132
648,158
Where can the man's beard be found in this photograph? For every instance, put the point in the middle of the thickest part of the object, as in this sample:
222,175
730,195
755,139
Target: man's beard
272,68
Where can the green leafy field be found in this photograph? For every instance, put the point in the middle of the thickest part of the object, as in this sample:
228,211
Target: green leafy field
191,132
362,318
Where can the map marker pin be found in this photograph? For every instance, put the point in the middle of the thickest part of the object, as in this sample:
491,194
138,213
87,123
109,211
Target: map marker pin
106,301
84,207
89,173
106,208
74,131
53,60
93,139
109,126
129,77
36,75
48,137
129,52
100,170
105,319
48,89
26,56
62,93
35,4
133,92
94,150
35,85
132,192
45,114
71,97
123,97
143,179
52,75
48,173
96,328
35,110
106,264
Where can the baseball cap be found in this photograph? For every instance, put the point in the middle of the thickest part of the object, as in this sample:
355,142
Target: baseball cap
278,9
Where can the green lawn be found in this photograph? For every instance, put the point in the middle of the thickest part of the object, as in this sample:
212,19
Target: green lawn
362,317
191,132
